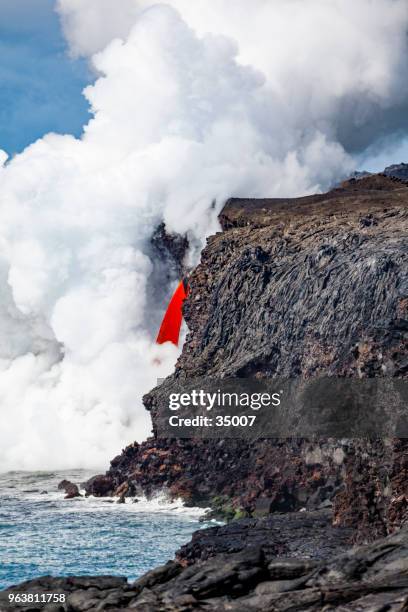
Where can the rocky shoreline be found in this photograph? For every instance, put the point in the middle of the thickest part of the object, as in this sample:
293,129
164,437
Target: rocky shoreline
295,535
367,578
304,287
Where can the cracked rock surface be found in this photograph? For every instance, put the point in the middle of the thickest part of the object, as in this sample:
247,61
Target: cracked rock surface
304,287
367,578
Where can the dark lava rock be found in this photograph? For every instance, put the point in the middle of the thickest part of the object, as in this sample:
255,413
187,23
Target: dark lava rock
71,489
100,486
369,578
170,246
305,287
302,287
399,171
263,506
92,590
296,534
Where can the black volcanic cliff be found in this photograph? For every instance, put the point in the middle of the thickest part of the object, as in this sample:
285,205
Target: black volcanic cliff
298,288
306,287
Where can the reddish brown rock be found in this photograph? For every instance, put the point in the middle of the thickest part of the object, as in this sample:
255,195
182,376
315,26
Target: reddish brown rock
71,489
100,486
303,287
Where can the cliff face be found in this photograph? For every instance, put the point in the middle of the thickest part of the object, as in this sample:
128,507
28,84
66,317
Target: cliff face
306,287
301,287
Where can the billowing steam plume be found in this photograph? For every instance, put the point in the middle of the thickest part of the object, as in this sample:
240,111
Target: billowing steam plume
194,101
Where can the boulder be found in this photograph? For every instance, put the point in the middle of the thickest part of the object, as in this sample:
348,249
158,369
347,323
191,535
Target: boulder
100,486
71,489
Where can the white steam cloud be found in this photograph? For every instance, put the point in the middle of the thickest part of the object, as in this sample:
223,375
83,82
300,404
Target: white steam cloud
194,102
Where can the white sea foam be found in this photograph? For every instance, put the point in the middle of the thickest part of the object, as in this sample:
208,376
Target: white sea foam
159,504
42,487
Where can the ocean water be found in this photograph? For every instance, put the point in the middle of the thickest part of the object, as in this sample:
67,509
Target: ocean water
43,534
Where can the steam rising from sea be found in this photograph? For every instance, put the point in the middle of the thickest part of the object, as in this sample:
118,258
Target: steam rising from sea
193,102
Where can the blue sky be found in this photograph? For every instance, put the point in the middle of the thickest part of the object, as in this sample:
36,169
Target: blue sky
393,152
40,87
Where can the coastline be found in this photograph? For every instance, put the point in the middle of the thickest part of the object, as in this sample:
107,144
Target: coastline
305,287
343,492
42,532
365,578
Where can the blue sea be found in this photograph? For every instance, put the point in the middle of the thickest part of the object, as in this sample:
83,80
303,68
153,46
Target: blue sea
43,534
